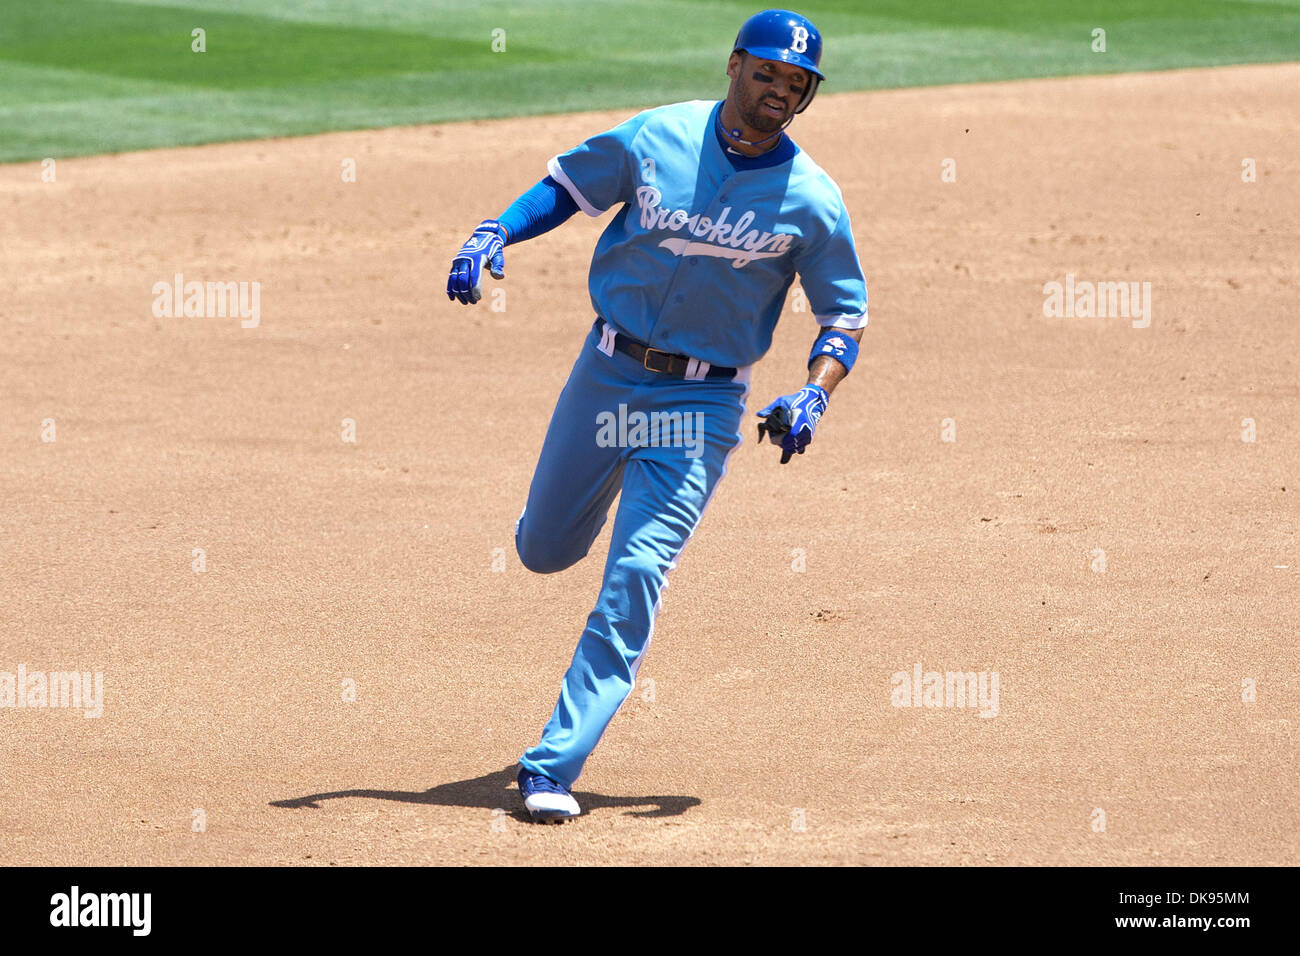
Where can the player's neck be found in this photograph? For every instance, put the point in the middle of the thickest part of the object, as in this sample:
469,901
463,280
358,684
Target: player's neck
730,117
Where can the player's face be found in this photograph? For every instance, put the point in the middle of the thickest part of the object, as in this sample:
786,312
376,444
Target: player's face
766,92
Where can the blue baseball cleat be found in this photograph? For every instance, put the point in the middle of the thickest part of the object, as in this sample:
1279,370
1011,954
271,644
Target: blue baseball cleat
546,800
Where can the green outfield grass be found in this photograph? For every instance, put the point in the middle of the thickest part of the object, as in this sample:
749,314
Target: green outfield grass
90,76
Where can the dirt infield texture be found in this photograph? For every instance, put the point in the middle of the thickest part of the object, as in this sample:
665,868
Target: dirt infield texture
1099,533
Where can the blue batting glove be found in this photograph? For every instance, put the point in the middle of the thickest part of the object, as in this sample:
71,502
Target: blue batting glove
487,244
792,419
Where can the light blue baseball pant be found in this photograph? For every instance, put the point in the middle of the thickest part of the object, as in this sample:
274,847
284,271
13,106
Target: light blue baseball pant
667,477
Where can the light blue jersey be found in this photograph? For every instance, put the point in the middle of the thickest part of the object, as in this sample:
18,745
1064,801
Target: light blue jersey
700,257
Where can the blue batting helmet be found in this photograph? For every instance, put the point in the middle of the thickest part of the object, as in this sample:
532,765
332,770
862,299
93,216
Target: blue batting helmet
788,37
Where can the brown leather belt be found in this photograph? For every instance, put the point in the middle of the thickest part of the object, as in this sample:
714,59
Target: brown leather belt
657,360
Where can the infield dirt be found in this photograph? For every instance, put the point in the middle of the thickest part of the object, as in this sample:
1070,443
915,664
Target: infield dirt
1098,533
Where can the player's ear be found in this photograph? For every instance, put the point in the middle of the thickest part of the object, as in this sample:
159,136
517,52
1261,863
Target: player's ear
734,63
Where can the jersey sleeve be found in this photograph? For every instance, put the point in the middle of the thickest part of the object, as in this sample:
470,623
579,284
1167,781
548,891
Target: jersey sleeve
598,173
832,278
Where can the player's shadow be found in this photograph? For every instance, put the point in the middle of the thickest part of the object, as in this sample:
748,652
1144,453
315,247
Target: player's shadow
494,790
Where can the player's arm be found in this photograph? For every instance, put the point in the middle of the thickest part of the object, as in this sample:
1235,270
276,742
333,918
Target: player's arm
791,420
825,371
539,210
837,291
592,176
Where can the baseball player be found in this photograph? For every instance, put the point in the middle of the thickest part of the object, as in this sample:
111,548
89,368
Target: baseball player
717,210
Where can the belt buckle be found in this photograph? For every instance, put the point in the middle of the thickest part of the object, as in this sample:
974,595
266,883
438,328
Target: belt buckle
645,360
